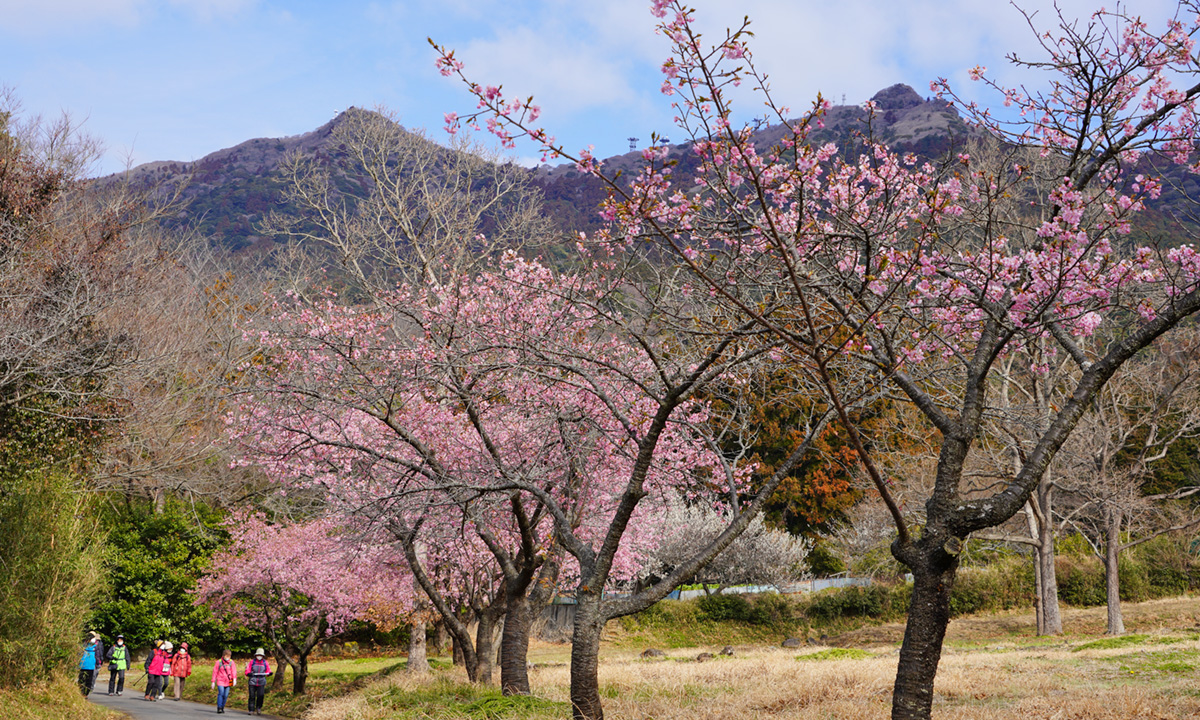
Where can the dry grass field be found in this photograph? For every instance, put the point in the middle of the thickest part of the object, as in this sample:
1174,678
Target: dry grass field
994,668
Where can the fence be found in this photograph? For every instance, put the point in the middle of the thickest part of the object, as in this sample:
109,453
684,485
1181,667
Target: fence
557,620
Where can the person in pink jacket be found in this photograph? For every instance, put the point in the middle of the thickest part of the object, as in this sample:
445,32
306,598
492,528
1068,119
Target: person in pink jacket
224,677
157,670
181,668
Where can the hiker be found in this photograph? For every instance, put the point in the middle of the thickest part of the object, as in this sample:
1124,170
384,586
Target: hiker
258,670
181,668
164,672
154,668
89,662
224,677
150,661
99,659
118,662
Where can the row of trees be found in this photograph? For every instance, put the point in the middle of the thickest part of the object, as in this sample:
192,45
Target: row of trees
511,428
990,291
949,285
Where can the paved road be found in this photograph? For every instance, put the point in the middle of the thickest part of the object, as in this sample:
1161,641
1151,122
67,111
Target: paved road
167,709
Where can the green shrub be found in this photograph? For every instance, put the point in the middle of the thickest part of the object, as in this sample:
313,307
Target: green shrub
822,562
878,601
1073,544
724,607
764,609
1170,568
1135,579
1080,580
771,609
1004,585
1162,567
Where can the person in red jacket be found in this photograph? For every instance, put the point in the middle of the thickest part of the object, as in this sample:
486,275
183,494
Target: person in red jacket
224,677
181,669
258,670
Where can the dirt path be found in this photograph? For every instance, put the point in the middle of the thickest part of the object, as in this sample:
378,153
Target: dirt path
168,709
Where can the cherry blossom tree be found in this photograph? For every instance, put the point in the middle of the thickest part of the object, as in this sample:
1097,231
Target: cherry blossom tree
302,583
406,227
922,276
552,413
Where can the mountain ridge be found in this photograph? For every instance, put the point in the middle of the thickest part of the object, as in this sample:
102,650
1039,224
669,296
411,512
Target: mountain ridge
227,193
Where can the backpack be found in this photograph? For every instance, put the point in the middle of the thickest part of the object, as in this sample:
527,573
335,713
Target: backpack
88,660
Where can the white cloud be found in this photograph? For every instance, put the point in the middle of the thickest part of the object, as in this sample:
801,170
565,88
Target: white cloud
563,73
56,16
37,16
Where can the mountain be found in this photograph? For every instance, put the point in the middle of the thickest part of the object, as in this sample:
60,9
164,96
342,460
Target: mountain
907,122
228,193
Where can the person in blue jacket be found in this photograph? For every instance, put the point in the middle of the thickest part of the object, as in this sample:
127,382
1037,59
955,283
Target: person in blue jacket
93,655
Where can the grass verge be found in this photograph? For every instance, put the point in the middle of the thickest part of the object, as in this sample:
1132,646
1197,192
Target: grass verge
54,700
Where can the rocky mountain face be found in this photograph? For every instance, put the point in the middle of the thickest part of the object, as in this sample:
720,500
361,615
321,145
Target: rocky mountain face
227,194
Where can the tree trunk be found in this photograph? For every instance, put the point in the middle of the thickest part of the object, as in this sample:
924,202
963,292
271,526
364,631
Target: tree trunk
585,658
456,651
281,665
1038,610
439,638
514,646
933,572
485,653
497,634
300,675
1112,576
1031,520
417,660
1048,599
1051,616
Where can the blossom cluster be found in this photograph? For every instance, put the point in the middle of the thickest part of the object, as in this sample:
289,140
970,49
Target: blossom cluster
439,403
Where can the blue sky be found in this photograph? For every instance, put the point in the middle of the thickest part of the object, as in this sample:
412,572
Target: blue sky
178,79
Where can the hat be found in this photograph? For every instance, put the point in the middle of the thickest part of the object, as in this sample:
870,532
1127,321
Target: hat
120,637
167,645
258,652
94,634
183,646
